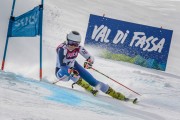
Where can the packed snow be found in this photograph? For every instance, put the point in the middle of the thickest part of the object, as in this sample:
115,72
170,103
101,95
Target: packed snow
24,97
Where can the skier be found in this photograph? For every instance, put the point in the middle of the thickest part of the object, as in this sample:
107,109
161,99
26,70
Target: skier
67,68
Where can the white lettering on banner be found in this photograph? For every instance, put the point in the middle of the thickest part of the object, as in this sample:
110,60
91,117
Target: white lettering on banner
143,41
107,35
96,31
101,33
120,36
27,20
158,46
136,37
139,39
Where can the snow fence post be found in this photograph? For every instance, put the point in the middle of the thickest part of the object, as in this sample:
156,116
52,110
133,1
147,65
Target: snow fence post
7,37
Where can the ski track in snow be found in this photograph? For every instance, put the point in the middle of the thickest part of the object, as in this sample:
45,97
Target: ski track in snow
23,98
24,89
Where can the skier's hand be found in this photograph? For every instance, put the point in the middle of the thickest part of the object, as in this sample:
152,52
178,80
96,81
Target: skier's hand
87,65
73,72
90,60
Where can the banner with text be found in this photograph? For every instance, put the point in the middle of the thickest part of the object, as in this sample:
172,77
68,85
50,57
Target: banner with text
26,25
135,43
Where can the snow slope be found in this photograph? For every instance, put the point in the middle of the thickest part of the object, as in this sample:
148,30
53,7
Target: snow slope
62,16
24,98
28,99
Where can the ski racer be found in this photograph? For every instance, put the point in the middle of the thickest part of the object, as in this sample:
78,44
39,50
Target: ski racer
67,68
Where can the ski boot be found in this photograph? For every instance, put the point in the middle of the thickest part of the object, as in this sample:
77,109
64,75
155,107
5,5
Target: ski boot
86,86
120,96
116,95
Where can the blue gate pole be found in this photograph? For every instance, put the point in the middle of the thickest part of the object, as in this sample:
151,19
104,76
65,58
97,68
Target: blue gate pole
41,27
7,37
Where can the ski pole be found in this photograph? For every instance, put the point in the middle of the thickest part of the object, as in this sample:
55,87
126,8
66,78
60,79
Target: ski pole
114,80
55,82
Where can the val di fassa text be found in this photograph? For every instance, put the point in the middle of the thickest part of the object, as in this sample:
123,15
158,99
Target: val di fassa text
139,39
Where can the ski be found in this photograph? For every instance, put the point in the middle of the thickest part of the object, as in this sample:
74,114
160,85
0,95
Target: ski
55,82
134,101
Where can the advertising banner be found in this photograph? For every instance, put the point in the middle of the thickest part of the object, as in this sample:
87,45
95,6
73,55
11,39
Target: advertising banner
135,43
26,25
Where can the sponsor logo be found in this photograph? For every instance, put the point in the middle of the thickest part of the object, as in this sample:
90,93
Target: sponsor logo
139,39
72,55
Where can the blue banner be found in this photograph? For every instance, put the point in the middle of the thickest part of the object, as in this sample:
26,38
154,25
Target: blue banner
139,44
26,25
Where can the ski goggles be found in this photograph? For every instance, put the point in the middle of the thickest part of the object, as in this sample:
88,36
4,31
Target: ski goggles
73,43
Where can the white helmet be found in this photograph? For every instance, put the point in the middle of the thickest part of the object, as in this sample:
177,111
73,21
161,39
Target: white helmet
74,36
